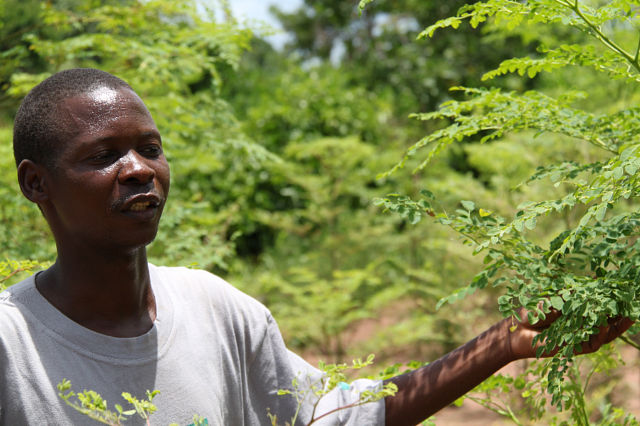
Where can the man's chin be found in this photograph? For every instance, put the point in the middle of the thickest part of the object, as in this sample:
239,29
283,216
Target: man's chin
134,240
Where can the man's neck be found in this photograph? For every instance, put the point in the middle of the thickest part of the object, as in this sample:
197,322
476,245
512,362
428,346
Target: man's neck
109,295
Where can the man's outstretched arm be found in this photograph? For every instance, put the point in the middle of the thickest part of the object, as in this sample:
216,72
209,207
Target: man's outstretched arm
424,391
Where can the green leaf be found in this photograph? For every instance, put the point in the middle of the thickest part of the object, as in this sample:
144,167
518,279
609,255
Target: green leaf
530,223
468,205
556,302
518,225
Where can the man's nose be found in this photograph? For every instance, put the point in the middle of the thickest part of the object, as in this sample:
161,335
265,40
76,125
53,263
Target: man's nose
135,169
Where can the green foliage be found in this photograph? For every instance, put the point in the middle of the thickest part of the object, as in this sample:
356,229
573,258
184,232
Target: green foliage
490,114
10,270
91,404
23,233
588,271
522,398
373,48
363,4
307,104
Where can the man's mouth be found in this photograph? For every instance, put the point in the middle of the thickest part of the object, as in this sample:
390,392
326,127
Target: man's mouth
141,203
138,207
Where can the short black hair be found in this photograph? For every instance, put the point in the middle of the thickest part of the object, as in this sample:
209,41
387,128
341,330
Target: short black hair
38,128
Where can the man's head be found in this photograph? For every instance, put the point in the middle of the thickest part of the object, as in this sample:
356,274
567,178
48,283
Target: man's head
90,156
41,126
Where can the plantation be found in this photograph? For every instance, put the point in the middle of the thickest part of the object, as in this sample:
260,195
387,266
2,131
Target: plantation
390,182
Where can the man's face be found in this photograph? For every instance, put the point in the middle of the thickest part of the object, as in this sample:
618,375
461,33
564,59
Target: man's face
110,180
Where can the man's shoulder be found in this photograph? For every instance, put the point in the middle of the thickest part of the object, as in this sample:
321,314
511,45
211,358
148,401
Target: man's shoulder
186,274
182,278
16,306
200,287
16,295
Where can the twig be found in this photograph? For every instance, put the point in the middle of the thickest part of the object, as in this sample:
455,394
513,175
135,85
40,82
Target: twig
12,273
354,404
630,342
496,408
612,45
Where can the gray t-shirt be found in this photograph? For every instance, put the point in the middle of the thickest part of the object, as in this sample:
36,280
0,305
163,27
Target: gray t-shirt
212,351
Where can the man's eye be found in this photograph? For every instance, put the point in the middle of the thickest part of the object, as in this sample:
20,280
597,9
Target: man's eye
102,157
151,151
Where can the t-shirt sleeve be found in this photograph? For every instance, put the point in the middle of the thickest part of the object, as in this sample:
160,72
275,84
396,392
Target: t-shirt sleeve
307,377
371,413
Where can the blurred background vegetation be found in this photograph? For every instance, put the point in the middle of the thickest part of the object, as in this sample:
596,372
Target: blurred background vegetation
275,154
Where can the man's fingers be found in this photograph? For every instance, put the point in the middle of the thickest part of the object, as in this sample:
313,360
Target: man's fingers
617,327
521,339
614,329
608,333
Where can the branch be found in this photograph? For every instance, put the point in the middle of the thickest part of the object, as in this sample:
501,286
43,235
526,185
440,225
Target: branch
496,408
12,273
612,45
354,404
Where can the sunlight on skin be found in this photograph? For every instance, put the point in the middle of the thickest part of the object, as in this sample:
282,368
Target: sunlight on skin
104,95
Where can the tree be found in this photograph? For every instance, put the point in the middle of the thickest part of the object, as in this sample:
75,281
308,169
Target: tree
374,47
588,268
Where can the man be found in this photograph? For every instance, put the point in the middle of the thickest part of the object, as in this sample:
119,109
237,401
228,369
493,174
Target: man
90,156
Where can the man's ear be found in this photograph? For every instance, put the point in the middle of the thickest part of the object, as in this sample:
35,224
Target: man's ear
31,177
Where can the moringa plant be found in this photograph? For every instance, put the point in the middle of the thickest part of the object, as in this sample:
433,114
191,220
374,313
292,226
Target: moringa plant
589,268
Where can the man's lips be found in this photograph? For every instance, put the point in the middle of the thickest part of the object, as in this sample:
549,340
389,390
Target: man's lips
141,202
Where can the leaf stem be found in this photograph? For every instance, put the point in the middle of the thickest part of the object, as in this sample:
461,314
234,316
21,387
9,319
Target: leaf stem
612,45
601,144
354,404
630,342
496,408
588,378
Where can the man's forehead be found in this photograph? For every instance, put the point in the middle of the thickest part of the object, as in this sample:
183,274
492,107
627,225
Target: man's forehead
103,113
104,98
102,104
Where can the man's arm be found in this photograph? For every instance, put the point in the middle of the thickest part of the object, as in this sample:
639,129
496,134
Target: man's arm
424,391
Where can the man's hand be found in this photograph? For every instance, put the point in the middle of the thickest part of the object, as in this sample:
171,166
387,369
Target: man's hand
521,334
